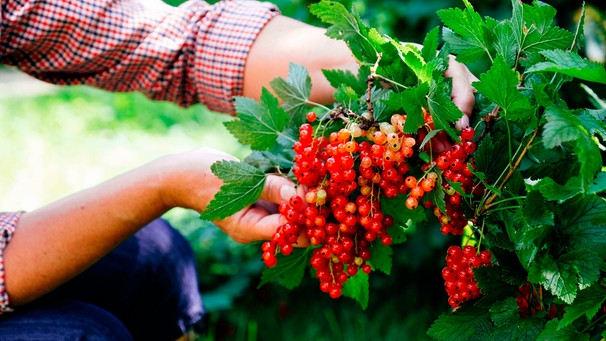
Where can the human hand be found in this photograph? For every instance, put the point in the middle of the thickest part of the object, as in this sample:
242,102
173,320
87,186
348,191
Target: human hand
462,91
462,96
190,183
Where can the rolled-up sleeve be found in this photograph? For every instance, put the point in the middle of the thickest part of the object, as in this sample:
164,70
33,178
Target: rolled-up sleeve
8,224
194,53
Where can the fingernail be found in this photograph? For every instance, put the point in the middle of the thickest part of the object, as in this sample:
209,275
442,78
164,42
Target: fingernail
286,192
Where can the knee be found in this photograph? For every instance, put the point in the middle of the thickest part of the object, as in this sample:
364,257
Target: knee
63,320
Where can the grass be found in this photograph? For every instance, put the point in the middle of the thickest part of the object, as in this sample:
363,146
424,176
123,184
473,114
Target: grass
73,138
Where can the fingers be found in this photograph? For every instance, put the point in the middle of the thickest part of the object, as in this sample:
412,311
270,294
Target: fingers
462,91
278,189
251,224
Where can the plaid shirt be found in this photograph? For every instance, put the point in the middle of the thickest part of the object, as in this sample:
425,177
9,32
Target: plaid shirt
194,53
8,223
187,54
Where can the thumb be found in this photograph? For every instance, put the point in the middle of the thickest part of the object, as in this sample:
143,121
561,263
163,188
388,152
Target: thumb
278,189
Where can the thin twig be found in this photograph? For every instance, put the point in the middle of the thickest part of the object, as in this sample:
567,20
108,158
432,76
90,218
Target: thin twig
512,169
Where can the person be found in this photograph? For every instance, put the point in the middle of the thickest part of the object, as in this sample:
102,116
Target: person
101,263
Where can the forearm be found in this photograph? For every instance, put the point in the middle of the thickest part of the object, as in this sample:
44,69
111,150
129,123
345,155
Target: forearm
54,243
285,40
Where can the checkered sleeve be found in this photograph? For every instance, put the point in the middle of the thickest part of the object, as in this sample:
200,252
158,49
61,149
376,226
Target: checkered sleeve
194,53
8,224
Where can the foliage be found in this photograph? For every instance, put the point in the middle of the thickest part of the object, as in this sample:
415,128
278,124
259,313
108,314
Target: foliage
539,159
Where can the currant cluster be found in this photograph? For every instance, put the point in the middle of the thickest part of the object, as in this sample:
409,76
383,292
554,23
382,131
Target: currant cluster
344,176
529,301
457,164
459,279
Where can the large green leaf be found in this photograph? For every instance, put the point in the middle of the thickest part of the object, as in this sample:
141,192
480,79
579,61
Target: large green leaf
357,287
258,124
243,185
346,26
571,64
562,126
465,33
587,303
464,324
289,270
542,34
411,100
500,85
294,91
381,257
584,223
553,331
559,278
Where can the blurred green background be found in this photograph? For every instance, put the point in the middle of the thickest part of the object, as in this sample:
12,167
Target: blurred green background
57,140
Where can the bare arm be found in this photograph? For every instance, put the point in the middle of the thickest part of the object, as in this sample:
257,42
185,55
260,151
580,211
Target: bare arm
56,242
285,40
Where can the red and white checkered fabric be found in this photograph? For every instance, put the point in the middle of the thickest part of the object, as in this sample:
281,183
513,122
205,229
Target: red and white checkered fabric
188,54
8,223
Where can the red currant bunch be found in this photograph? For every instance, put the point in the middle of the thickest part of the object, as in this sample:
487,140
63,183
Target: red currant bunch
457,164
345,175
459,279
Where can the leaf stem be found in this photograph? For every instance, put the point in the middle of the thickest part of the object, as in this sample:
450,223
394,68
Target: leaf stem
491,199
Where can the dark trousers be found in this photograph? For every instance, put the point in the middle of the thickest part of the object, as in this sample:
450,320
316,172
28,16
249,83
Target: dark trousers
146,289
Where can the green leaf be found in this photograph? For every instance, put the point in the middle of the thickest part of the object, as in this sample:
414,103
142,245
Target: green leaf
294,91
491,283
460,325
584,223
500,85
465,33
289,270
357,287
541,33
599,185
562,126
509,324
536,210
518,30
571,64
505,313
506,44
347,96
553,191
381,257
411,56
586,263
552,331
430,44
258,125
587,303
558,277
489,157
396,207
338,78
411,100
242,187
347,27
